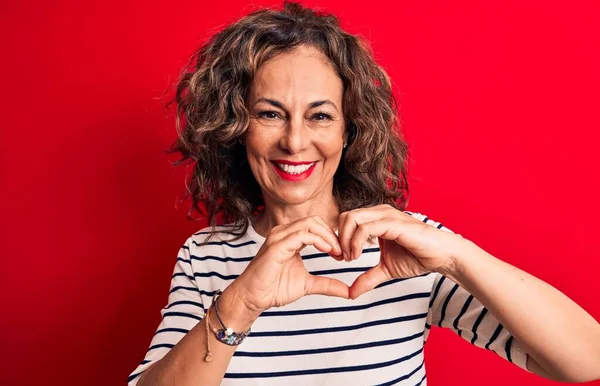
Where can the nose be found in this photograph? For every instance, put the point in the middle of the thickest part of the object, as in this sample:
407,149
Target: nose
295,137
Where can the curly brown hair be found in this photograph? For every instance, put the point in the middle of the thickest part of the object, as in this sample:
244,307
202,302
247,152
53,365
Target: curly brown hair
212,118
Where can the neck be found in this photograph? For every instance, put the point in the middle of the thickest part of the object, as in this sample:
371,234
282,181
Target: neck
283,213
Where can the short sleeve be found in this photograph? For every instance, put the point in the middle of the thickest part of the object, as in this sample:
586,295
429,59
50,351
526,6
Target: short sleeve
453,307
183,311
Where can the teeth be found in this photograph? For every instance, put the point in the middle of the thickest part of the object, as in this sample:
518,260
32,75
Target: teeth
295,169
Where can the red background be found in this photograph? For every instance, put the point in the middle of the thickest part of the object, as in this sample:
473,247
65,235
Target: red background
499,103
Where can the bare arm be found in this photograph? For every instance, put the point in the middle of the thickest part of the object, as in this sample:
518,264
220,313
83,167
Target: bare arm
561,338
276,276
184,364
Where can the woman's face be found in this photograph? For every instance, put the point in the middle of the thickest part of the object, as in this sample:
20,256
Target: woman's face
296,132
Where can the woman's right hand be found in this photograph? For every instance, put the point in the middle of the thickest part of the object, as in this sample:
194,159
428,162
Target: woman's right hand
276,276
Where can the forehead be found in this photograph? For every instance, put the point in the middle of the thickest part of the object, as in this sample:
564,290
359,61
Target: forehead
301,75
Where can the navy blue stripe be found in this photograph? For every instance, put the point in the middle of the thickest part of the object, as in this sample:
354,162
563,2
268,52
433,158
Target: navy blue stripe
337,329
369,250
443,314
479,319
437,290
181,274
340,270
421,381
184,260
326,349
319,255
226,243
180,287
185,247
427,327
321,272
439,226
222,259
249,258
346,308
195,289
217,274
344,369
162,345
188,302
403,377
133,376
462,311
172,329
208,293
507,348
426,219
217,231
494,336
182,314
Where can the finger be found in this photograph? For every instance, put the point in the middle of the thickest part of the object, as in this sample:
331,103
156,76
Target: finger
336,252
368,280
299,239
341,224
321,285
381,247
317,226
351,221
367,230
294,242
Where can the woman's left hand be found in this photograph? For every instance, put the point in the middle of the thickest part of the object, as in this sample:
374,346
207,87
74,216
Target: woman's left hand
409,247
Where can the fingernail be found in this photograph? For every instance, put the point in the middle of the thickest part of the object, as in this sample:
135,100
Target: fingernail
345,257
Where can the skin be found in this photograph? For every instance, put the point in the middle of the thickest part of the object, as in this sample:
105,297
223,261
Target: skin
292,130
565,347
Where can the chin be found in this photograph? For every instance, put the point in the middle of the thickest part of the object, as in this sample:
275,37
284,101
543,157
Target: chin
294,198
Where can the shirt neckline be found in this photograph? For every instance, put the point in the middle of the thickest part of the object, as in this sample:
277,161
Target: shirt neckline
255,236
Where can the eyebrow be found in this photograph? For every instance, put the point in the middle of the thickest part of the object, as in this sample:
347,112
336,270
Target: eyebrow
311,105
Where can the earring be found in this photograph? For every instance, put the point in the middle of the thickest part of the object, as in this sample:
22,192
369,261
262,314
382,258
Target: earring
345,145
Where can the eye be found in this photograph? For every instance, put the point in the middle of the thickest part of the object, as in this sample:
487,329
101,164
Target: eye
321,117
268,114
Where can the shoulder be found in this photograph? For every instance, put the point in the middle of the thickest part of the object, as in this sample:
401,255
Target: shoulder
218,239
218,232
427,220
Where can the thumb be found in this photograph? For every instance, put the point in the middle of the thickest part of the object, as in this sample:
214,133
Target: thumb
367,281
321,285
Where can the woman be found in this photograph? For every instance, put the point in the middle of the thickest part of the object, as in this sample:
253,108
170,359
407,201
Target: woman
293,129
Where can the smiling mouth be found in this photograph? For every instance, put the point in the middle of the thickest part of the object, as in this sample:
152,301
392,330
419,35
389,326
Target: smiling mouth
293,169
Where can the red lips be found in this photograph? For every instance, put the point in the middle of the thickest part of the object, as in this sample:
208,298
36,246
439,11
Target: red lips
293,177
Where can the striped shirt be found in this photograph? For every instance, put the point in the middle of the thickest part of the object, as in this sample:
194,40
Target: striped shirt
375,339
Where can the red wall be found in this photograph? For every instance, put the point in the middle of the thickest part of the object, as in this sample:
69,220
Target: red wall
499,103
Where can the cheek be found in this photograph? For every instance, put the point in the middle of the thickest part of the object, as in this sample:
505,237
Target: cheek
258,143
330,146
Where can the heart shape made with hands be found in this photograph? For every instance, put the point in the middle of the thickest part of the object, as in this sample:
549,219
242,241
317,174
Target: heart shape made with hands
408,246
